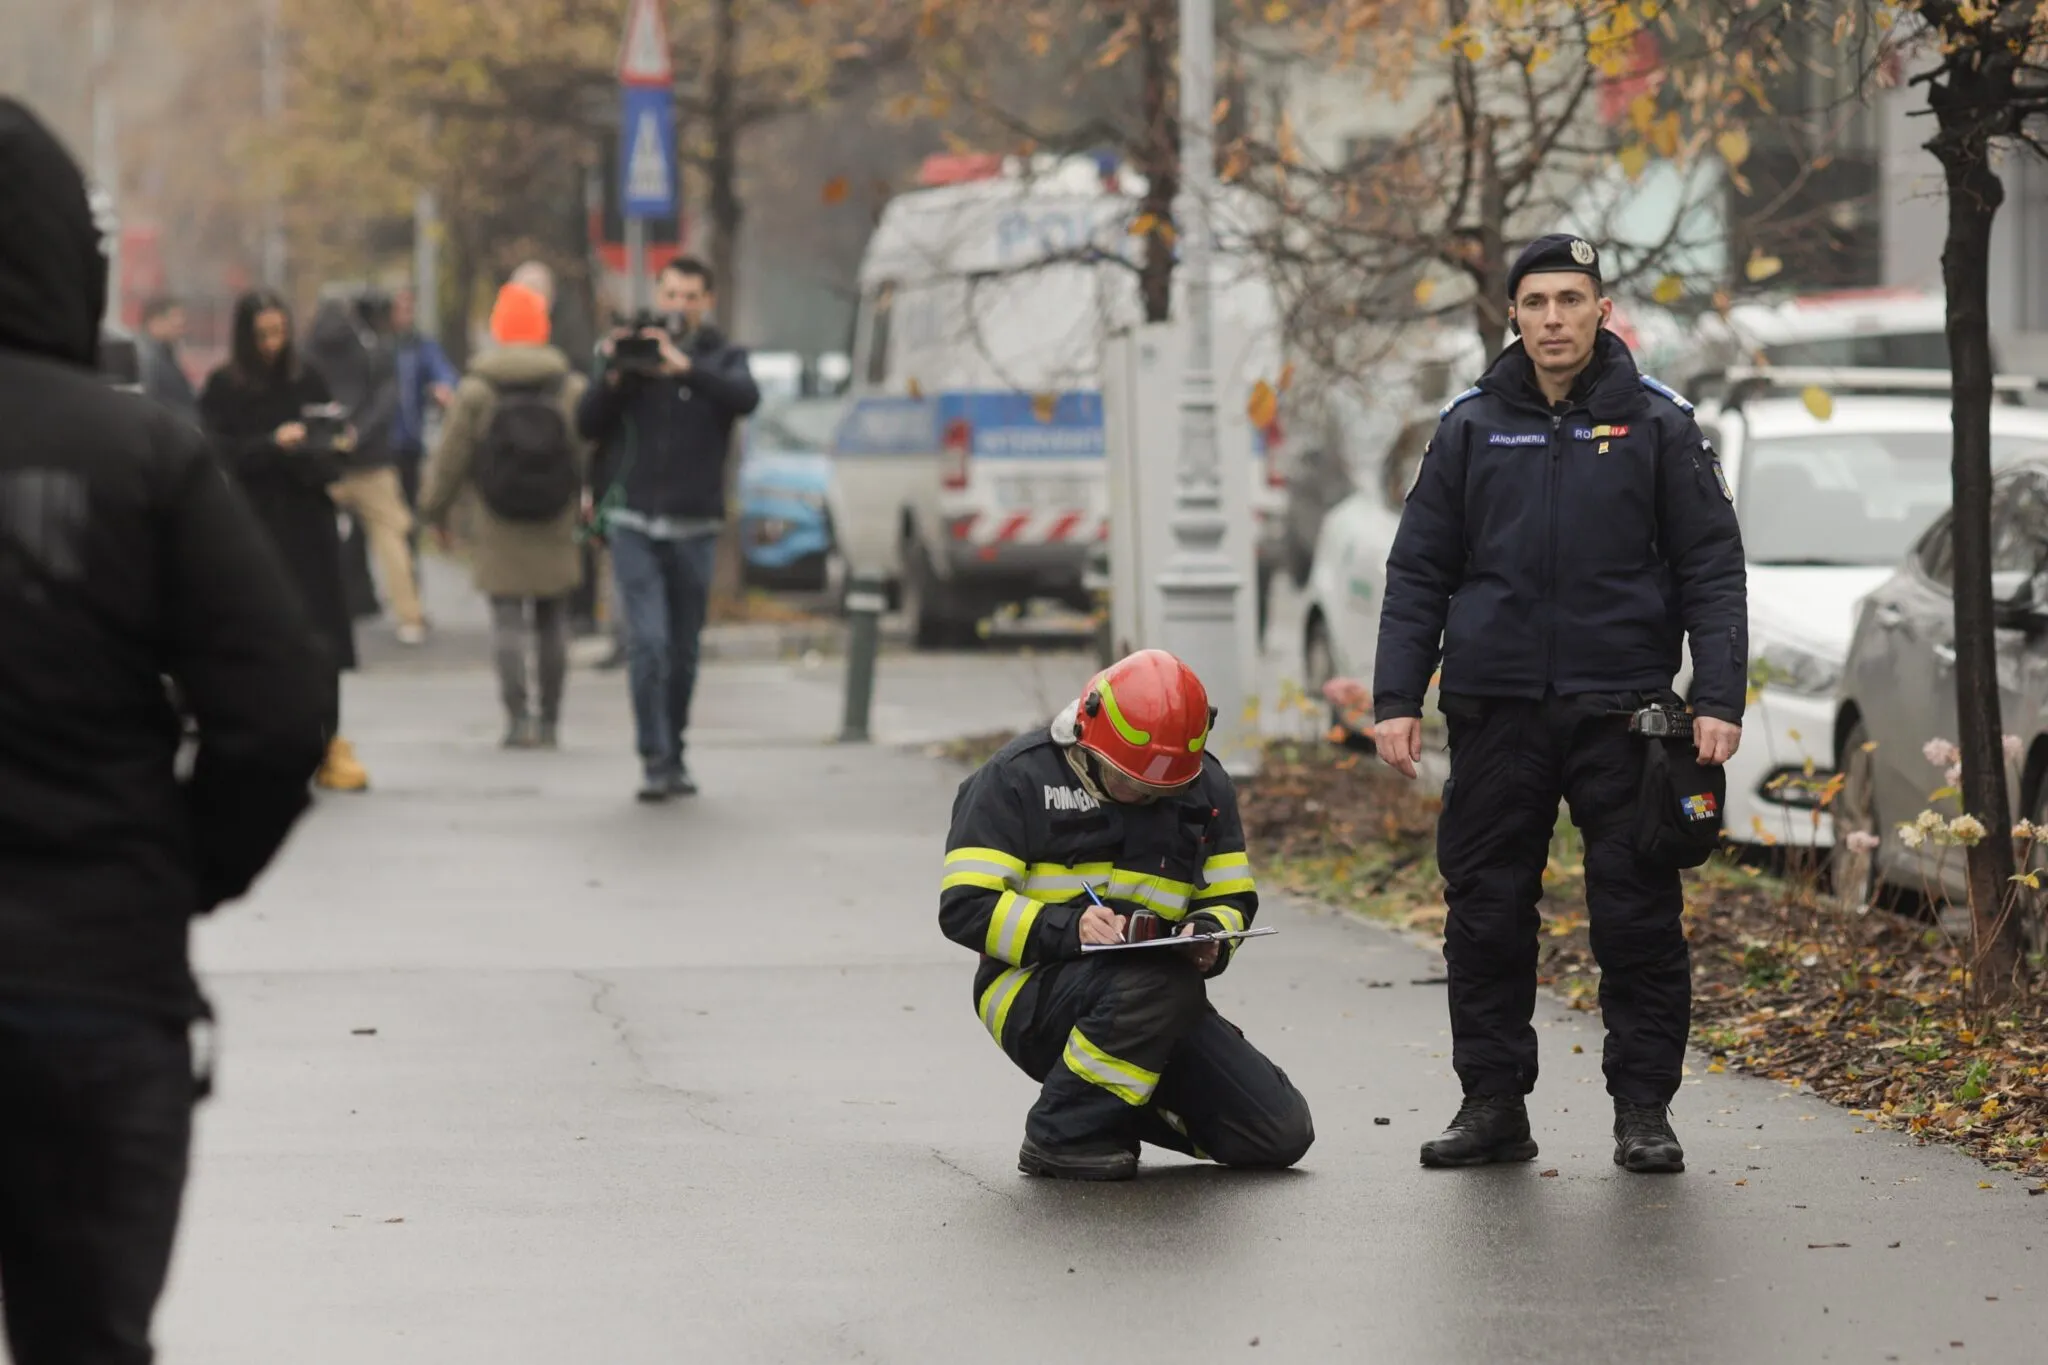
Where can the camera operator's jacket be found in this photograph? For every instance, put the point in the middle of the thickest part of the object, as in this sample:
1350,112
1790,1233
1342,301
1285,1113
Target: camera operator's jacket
1028,839
666,439
1566,549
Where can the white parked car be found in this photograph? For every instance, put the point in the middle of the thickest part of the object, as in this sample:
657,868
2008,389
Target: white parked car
1828,506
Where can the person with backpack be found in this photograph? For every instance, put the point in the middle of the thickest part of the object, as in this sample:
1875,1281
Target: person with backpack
510,439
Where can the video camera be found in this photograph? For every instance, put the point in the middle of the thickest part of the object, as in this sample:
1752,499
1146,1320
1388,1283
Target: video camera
636,353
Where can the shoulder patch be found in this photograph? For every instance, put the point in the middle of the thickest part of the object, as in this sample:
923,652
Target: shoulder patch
1659,386
1466,396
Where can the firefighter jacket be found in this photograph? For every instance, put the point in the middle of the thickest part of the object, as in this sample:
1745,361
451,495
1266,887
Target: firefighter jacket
1029,840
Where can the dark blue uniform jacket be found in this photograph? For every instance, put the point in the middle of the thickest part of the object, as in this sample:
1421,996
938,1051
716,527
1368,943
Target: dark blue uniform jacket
1565,549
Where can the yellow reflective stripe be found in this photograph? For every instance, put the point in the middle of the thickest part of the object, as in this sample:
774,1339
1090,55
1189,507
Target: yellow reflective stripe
1131,1084
990,869
1226,916
994,856
985,880
1057,883
1000,995
1218,874
1179,1125
1009,928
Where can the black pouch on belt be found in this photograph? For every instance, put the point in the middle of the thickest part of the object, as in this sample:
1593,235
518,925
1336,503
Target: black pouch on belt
1678,810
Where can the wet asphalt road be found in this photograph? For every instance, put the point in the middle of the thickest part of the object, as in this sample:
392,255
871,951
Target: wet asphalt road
704,1084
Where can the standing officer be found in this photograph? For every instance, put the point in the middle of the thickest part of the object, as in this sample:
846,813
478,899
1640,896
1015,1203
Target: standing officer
1114,812
1567,523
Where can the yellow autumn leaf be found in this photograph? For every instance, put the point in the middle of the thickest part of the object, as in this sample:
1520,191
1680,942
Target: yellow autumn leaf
1669,290
1664,135
1425,289
1733,146
1144,225
1762,267
1040,42
1642,112
1716,1068
913,388
1276,11
1473,48
1635,158
836,190
1818,401
1264,406
1044,406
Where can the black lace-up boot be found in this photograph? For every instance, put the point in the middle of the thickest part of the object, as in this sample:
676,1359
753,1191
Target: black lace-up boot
1488,1128
1643,1140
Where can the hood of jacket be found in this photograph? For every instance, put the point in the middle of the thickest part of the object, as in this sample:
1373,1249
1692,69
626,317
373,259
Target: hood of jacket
519,364
336,349
53,276
1611,386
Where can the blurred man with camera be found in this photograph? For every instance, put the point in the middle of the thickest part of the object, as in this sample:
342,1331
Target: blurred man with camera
663,419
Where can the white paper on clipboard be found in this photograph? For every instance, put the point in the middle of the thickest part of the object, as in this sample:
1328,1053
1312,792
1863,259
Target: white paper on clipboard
1217,937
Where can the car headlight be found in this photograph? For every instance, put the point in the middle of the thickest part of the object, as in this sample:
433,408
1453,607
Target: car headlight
1798,671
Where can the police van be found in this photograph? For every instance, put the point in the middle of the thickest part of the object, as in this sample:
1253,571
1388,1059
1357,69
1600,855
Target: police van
969,471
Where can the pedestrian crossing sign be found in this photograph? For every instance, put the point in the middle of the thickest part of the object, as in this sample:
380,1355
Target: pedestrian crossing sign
647,153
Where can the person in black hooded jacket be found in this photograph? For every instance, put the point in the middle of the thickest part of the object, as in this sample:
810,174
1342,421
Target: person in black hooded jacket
127,561
1568,530
255,408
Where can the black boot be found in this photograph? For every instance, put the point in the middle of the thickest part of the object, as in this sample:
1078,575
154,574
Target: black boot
1079,1161
1488,1128
1643,1140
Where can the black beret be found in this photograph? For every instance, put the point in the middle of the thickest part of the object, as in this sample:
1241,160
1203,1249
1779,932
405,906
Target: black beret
1558,251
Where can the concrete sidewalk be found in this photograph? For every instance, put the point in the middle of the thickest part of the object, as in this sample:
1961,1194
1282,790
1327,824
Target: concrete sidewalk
704,1083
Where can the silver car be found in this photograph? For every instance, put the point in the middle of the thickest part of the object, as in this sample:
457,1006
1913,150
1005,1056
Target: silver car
1898,694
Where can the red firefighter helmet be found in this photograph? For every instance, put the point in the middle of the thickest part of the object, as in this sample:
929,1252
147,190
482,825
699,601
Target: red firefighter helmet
1148,717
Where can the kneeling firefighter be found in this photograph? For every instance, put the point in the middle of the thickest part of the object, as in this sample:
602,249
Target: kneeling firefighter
1110,821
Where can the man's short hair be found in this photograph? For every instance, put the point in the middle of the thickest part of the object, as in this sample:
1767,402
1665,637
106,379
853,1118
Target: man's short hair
160,304
689,267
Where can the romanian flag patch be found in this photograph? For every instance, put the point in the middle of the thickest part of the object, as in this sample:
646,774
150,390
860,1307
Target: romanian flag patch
1700,807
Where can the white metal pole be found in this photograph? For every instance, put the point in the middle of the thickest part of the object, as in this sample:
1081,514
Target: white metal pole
636,264
1201,588
426,251
106,150
273,113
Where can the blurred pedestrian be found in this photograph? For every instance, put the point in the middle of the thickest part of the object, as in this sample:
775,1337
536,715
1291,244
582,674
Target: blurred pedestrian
426,382
359,370
261,408
163,375
537,276
511,439
669,418
125,560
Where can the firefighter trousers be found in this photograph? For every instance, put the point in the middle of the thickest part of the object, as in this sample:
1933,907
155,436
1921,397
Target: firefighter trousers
1127,1049
1511,761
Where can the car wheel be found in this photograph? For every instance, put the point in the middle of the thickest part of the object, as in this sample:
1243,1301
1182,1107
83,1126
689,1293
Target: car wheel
934,622
1854,875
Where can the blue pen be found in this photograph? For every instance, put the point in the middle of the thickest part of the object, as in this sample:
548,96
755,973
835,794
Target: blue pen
1085,886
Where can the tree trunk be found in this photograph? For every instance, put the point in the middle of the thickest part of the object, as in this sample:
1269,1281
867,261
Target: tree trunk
728,581
1974,195
1490,267
458,291
1158,156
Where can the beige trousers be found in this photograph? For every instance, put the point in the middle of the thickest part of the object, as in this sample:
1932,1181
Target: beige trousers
378,501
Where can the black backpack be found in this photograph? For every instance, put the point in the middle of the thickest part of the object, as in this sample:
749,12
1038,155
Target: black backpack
525,465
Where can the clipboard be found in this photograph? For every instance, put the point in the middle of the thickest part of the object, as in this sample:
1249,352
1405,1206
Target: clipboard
1218,936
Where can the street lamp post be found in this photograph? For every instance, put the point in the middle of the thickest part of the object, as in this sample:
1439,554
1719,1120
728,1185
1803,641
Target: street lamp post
1201,586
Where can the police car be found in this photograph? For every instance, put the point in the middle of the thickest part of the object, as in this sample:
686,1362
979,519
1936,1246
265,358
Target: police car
969,471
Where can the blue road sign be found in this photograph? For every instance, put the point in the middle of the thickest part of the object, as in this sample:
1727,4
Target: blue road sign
647,152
